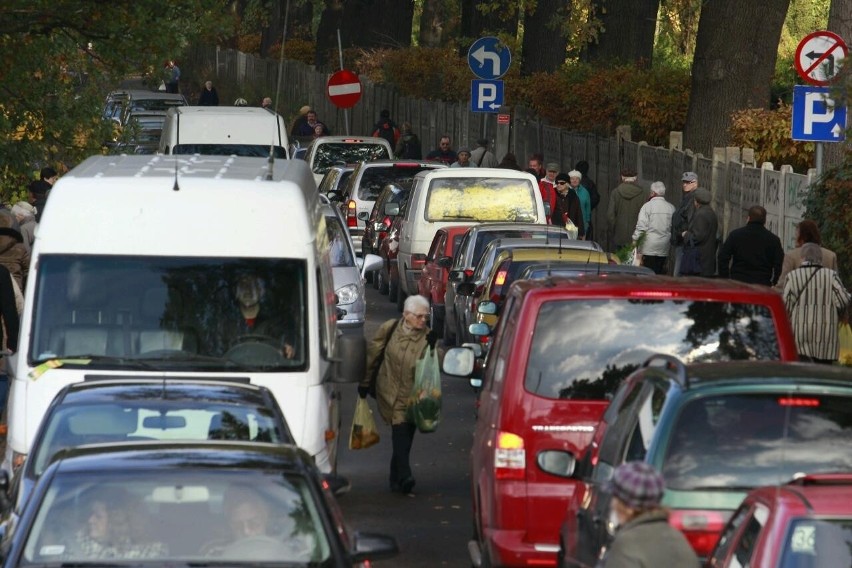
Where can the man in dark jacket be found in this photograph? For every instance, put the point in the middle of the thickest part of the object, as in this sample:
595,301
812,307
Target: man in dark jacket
682,216
624,205
8,327
752,253
702,230
587,182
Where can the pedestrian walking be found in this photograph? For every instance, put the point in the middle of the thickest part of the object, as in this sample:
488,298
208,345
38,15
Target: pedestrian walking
583,167
481,156
547,187
463,159
392,357
173,74
574,178
752,253
806,232
624,205
443,153
567,206
209,96
683,215
13,254
408,145
644,538
386,128
814,296
655,223
703,231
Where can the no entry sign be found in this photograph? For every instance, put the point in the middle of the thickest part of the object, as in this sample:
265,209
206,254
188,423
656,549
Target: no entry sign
819,57
344,89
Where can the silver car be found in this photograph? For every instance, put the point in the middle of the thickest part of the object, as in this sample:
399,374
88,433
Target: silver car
348,272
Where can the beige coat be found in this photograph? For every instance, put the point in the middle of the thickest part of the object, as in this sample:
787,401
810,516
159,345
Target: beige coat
793,260
396,375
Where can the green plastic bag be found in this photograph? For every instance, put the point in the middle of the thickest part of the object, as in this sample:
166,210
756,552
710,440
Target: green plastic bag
364,432
424,406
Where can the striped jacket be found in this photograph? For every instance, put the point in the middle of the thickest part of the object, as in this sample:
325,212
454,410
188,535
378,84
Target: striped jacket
814,295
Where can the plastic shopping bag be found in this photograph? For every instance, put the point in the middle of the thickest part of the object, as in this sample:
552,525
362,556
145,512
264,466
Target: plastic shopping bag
424,407
364,433
572,229
845,344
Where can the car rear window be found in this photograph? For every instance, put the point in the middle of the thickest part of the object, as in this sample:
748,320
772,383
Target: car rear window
485,237
583,348
818,543
749,440
481,199
374,178
246,150
331,153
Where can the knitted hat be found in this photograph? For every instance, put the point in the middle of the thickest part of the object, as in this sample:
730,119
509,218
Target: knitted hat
703,196
575,174
638,485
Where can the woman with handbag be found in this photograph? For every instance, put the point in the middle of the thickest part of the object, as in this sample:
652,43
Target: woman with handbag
700,238
392,357
814,297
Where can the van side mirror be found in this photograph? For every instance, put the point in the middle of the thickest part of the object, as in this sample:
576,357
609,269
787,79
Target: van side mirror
373,546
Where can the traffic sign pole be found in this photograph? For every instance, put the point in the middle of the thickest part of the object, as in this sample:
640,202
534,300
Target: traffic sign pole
340,55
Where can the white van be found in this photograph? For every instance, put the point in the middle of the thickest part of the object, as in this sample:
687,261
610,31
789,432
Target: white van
224,131
136,272
458,196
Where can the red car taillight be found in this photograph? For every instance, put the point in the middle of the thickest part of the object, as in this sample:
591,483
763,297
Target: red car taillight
351,219
497,285
701,528
510,458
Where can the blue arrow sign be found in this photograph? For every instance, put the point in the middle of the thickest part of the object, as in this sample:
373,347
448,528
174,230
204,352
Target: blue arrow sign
489,58
486,96
815,116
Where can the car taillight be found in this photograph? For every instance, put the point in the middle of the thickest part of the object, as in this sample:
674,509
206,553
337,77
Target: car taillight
351,219
387,222
418,261
798,401
468,272
701,528
497,286
510,459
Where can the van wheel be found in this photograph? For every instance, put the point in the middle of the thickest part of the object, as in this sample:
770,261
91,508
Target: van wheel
382,281
400,299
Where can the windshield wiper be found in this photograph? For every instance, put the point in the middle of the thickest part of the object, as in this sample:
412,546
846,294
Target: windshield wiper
465,217
87,358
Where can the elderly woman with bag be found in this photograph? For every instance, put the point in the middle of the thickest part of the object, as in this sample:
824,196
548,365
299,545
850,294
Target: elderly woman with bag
392,357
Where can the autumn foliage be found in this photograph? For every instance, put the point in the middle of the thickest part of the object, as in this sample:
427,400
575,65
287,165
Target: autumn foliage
768,132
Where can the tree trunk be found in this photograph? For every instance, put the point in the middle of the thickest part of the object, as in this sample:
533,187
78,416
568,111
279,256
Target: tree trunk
627,33
840,22
377,23
330,21
476,24
544,39
734,62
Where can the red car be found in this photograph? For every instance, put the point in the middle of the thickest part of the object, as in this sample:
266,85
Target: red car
387,277
433,276
560,350
805,523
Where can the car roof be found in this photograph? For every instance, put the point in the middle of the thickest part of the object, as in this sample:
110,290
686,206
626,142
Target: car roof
489,227
213,391
768,372
139,94
556,241
565,268
552,252
209,455
478,173
829,494
400,162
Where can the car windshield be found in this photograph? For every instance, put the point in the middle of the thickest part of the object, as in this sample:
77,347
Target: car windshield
166,418
178,514
583,348
749,440
482,199
246,150
818,543
180,313
374,178
331,153
154,104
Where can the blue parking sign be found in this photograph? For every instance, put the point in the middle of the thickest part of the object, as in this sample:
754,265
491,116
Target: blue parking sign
815,116
486,96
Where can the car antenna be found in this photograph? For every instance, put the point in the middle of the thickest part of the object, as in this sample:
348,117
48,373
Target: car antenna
176,187
271,159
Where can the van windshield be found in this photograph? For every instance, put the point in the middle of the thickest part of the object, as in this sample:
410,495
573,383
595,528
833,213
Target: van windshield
245,150
583,349
481,199
211,314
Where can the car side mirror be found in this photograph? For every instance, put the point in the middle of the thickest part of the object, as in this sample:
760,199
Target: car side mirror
556,462
459,361
445,262
487,308
479,329
455,276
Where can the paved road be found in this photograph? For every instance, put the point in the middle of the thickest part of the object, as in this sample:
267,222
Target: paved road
433,526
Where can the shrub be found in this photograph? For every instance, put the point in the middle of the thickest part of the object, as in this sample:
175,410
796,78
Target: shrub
768,132
828,201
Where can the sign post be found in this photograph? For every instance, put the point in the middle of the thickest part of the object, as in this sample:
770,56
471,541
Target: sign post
818,59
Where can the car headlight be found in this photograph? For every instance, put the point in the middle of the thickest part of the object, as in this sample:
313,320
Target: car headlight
348,294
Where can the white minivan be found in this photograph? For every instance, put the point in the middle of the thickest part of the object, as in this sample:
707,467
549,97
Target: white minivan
224,131
460,196
185,266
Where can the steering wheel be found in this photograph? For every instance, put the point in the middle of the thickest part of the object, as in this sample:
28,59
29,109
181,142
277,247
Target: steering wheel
259,547
256,349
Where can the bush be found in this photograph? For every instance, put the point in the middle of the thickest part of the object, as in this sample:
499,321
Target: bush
768,132
296,49
828,201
